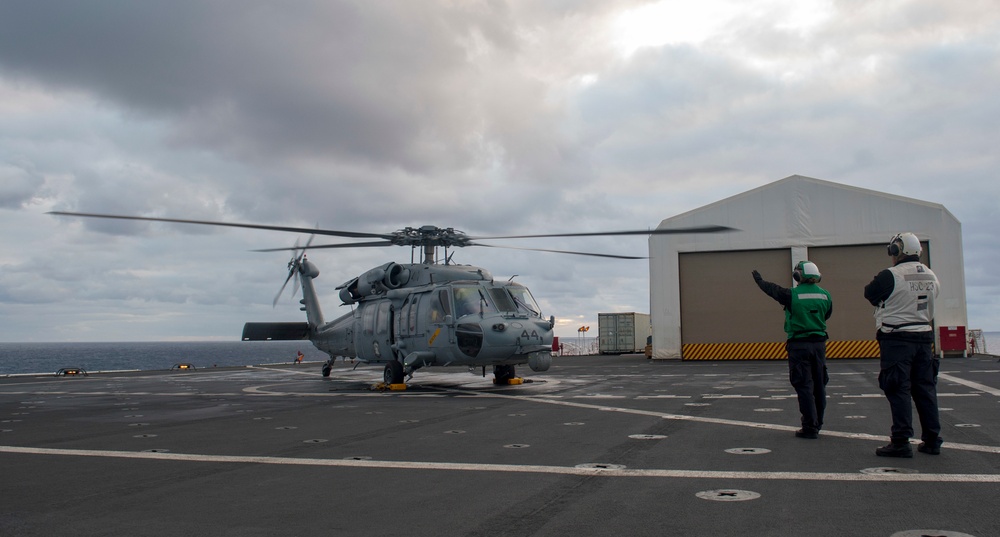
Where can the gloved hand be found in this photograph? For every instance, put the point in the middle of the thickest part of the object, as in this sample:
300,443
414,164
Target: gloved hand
756,277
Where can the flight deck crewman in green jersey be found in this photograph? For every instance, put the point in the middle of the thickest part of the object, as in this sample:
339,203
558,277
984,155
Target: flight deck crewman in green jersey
807,308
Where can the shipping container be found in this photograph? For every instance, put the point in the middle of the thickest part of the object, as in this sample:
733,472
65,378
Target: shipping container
623,333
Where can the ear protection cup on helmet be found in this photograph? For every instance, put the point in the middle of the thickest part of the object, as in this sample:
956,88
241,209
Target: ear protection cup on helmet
894,244
806,270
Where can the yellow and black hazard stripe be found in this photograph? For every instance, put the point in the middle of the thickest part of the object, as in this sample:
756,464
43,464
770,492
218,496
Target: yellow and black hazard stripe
773,350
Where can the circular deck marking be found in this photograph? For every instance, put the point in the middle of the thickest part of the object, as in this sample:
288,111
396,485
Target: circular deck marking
647,436
6,430
882,470
144,436
409,421
133,415
966,425
517,446
516,415
748,451
728,495
573,423
137,424
855,417
455,431
601,466
286,428
767,410
697,404
263,418
156,450
315,441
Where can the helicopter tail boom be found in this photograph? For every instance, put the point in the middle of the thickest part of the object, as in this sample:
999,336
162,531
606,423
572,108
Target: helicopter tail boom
275,331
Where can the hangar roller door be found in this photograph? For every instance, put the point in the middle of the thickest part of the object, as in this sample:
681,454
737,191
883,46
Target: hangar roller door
724,315
720,303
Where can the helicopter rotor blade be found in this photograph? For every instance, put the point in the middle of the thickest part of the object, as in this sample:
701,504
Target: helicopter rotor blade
291,272
669,231
591,254
321,246
331,232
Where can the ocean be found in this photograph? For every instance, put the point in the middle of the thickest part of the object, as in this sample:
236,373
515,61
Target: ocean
34,358
30,358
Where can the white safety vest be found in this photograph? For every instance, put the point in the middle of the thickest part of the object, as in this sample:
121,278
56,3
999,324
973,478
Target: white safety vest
910,307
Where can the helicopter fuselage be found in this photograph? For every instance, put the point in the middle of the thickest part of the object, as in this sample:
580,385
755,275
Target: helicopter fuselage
418,315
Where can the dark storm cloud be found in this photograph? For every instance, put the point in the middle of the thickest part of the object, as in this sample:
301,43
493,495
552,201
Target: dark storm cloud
375,82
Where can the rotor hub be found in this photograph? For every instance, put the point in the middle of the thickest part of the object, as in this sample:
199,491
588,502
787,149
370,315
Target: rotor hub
432,236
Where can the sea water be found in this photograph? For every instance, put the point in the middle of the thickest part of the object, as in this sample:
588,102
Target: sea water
31,358
22,358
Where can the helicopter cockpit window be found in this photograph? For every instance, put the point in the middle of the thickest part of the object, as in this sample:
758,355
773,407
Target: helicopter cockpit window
501,299
469,301
524,300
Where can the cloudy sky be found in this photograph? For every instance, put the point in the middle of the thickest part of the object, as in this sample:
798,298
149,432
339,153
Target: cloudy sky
494,117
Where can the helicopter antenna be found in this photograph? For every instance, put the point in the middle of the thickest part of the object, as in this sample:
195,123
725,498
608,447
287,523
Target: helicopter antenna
512,278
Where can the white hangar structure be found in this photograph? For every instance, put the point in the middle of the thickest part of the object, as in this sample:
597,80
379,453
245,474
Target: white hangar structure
704,304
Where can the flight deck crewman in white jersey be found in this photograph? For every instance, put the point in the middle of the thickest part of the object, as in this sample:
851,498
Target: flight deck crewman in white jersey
903,296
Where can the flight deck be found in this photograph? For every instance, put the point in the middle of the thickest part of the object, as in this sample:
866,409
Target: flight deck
597,445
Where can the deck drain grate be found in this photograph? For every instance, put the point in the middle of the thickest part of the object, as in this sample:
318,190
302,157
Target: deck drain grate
888,470
728,495
748,451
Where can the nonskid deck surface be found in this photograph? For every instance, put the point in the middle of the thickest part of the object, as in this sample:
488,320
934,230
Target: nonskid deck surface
595,446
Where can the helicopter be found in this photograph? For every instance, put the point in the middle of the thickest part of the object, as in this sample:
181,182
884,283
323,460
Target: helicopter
408,316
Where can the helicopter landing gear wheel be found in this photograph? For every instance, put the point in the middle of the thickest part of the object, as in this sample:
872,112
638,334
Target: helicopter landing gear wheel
502,374
326,369
393,373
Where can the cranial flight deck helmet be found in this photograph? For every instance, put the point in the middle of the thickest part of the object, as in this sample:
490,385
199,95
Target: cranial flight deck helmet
806,271
904,244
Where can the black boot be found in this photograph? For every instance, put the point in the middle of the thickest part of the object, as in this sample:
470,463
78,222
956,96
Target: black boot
899,447
932,447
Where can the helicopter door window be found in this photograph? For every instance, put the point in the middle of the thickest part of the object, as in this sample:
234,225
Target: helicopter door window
444,301
368,321
382,323
435,310
402,318
412,315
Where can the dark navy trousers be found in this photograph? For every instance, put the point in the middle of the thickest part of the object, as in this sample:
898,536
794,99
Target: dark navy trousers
909,371
807,373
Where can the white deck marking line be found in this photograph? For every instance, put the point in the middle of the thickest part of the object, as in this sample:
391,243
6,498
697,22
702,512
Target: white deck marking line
511,468
723,421
970,384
